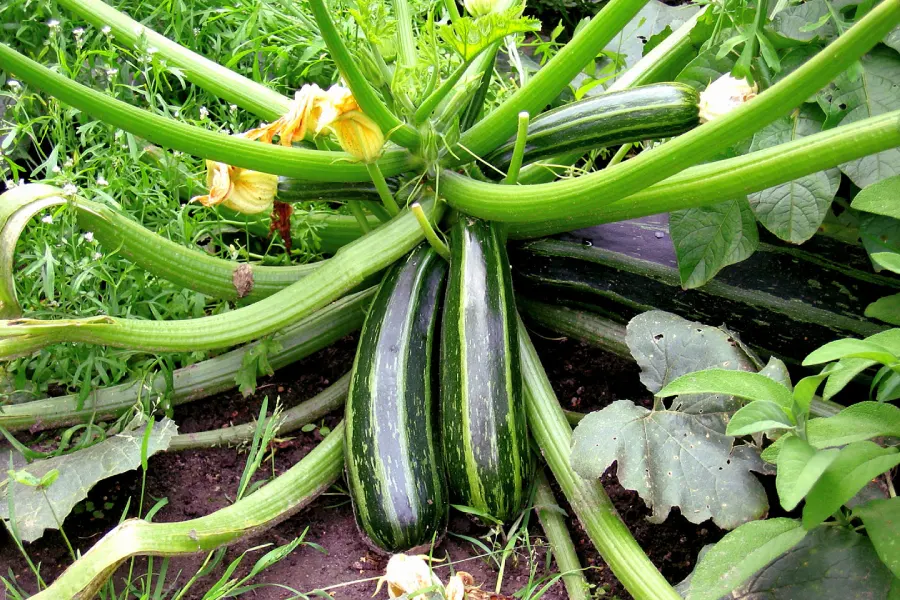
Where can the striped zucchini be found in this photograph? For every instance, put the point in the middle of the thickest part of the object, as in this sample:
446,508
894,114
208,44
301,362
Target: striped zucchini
300,190
483,427
393,460
642,113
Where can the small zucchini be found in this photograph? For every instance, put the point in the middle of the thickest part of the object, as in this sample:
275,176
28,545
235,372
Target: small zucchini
393,459
301,190
483,428
643,113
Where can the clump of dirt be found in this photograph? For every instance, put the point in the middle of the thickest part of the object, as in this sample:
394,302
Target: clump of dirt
197,482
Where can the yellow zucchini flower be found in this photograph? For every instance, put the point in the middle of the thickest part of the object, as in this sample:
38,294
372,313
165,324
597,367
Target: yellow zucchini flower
248,192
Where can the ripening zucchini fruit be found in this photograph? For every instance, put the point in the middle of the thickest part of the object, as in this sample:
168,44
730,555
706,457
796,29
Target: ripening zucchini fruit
643,113
483,428
393,462
295,190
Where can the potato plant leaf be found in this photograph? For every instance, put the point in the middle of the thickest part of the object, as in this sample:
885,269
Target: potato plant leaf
875,91
855,466
881,198
740,554
882,521
672,459
830,562
709,238
793,211
79,472
468,36
799,468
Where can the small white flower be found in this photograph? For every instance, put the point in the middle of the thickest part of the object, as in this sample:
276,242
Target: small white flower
723,96
56,169
68,163
204,113
151,50
63,241
177,153
78,32
196,31
48,219
97,255
106,30
10,184
111,73
177,112
101,180
232,108
69,189
53,24
13,84
89,237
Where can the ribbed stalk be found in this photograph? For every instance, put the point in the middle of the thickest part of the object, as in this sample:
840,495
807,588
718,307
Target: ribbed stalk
328,400
593,507
544,86
195,382
554,524
271,504
582,195
718,181
294,162
392,127
223,82
348,269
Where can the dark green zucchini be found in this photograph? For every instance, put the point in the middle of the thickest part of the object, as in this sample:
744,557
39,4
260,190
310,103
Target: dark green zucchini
784,300
643,113
393,459
483,428
301,190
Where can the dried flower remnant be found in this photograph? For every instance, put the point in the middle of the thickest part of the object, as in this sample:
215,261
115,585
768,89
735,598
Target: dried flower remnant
724,95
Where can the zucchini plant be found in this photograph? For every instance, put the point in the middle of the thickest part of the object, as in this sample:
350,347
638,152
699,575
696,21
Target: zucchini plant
412,134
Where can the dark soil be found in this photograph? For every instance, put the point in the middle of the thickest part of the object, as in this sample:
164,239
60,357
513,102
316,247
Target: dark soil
200,481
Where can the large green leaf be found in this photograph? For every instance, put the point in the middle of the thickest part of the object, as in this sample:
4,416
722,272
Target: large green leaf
750,386
882,521
873,92
79,472
850,348
799,468
740,554
672,459
893,39
793,211
756,417
667,346
798,22
710,238
855,466
704,69
885,309
881,198
470,36
862,421
651,21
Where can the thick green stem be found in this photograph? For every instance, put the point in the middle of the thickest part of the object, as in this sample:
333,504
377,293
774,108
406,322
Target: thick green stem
554,525
431,102
405,40
476,104
383,191
582,195
718,181
364,94
271,504
348,269
515,164
452,9
195,382
323,403
498,126
294,162
223,82
593,507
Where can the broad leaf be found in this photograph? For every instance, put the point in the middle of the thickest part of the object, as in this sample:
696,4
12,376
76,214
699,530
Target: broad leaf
710,238
666,346
849,348
879,234
652,19
79,472
862,421
750,386
776,370
855,466
805,22
881,198
793,211
799,468
672,459
829,563
838,380
469,36
758,416
882,521
887,260
885,309
740,554
893,39
873,93
705,69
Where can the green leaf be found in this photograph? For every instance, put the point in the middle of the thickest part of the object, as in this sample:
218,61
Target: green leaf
805,22
469,36
710,238
79,472
854,467
672,459
705,69
881,198
873,93
793,211
839,378
750,386
799,468
885,309
667,346
830,563
740,554
806,388
776,370
882,521
652,19
757,416
862,421
887,260
893,39
879,234
255,363
850,348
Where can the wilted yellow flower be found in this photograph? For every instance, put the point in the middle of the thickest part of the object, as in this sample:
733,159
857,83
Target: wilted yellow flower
406,574
243,190
358,135
724,95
